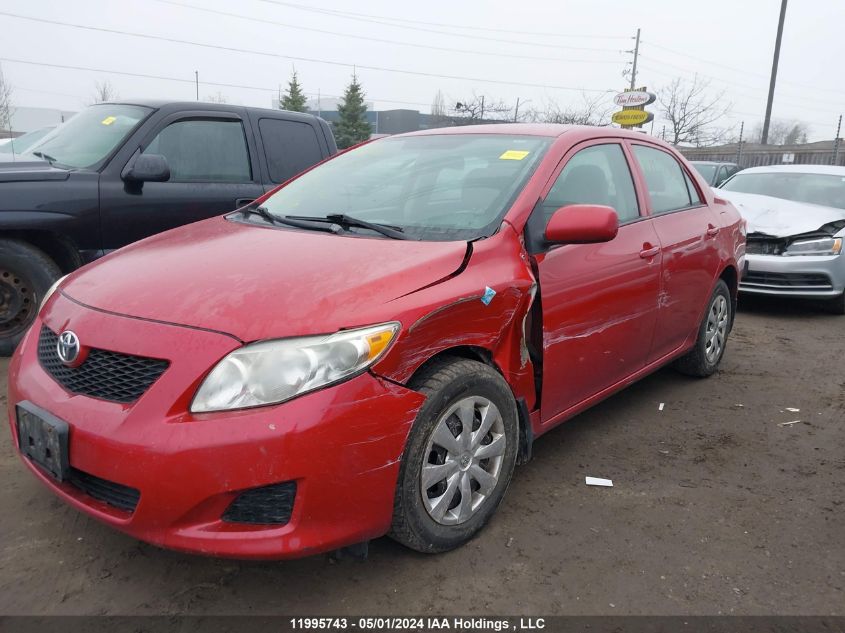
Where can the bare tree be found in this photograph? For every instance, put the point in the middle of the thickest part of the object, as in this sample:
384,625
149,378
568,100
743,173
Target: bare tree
692,110
782,132
438,109
480,109
104,92
591,111
219,97
6,109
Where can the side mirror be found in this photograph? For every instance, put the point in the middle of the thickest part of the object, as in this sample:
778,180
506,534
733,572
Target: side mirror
582,224
148,168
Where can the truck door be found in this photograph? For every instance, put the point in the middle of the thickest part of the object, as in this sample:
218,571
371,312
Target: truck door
213,170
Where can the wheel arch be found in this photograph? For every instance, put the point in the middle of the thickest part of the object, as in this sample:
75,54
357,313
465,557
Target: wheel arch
57,247
483,355
730,276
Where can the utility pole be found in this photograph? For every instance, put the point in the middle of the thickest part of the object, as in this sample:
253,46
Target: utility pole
636,55
837,141
739,145
197,79
481,118
765,136
516,111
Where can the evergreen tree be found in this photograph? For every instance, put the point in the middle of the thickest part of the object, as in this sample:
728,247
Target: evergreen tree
294,99
352,126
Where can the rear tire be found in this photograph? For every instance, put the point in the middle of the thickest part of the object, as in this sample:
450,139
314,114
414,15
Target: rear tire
26,273
452,480
704,358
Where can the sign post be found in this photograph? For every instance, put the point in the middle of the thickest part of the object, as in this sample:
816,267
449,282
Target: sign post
633,113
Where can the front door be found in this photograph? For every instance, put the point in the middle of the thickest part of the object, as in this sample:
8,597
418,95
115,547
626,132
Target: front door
211,173
599,301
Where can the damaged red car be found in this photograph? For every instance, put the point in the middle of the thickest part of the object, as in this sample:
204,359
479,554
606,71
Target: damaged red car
371,348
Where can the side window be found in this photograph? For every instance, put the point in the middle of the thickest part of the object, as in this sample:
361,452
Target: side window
665,179
596,175
204,150
693,192
290,147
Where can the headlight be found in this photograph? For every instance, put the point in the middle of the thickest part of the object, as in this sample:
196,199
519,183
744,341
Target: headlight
50,292
824,246
270,372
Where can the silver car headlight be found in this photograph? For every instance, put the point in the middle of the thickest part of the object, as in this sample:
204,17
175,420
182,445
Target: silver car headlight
823,246
50,292
271,372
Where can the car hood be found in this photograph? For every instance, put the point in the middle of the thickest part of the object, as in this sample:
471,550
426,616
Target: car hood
28,168
779,217
257,282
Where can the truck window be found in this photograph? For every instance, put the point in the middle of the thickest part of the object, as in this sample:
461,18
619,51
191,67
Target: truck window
289,146
204,150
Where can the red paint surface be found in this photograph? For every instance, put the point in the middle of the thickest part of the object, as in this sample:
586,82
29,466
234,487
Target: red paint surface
611,312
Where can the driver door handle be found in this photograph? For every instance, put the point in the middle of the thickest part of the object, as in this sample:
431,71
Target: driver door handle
712,231
647,252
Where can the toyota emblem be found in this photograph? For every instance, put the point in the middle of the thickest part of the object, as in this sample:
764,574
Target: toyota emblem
68,347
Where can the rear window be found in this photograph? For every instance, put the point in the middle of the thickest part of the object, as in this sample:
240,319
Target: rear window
289,146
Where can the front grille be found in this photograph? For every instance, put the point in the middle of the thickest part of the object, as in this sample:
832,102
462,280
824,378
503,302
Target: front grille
114,494
787,280
268,505
104,374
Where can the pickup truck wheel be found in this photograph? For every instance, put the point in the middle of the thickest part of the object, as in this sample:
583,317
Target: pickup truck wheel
703,359
459,457
26,274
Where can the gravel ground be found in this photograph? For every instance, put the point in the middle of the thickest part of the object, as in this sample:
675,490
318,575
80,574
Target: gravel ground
717,507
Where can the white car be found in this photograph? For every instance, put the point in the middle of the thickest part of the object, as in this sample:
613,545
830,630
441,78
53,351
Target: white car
796,230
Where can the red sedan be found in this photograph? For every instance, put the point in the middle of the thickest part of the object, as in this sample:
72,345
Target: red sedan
371,348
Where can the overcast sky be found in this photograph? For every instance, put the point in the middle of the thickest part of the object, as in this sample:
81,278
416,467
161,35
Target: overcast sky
531,50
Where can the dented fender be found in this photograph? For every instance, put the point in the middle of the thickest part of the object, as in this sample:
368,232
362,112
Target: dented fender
455,313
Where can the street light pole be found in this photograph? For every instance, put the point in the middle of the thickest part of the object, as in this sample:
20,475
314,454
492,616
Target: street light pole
765,136
636,55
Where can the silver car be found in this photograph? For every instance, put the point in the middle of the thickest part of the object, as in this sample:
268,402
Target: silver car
796,230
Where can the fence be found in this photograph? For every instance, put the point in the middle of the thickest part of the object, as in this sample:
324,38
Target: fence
754,154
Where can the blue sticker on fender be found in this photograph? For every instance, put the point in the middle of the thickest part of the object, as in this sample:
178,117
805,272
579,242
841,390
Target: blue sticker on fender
488,295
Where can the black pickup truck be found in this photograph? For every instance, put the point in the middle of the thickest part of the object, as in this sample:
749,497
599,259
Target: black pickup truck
118,172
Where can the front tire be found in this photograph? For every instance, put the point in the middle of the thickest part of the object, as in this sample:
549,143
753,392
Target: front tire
704,358
837,305
459,457
26,273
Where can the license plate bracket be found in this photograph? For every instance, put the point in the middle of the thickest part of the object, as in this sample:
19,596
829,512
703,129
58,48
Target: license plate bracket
43,439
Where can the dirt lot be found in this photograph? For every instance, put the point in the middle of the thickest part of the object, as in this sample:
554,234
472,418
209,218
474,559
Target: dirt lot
716,508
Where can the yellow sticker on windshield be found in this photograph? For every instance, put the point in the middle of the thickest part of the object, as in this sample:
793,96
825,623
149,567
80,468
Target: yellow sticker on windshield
514,154
109,120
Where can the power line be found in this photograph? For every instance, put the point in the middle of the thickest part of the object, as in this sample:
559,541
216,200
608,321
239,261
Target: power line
233,49
240,16
381,21
176,79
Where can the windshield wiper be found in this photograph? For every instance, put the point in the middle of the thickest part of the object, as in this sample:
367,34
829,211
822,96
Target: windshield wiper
44,156
271,218
347,221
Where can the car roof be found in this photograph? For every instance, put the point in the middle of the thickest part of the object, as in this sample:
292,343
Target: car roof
796,169
711,162
534,129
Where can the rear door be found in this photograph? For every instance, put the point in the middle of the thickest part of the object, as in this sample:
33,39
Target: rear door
687,230
289,146
599,301
213,167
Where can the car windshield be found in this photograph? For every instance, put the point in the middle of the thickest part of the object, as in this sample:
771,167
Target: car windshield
823,189
705,170
438,187
24,142
90,136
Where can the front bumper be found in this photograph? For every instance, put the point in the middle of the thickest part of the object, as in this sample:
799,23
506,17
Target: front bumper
341,445
807,277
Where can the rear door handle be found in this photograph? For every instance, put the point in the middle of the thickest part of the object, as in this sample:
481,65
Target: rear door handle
712,231
241,202
646,253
